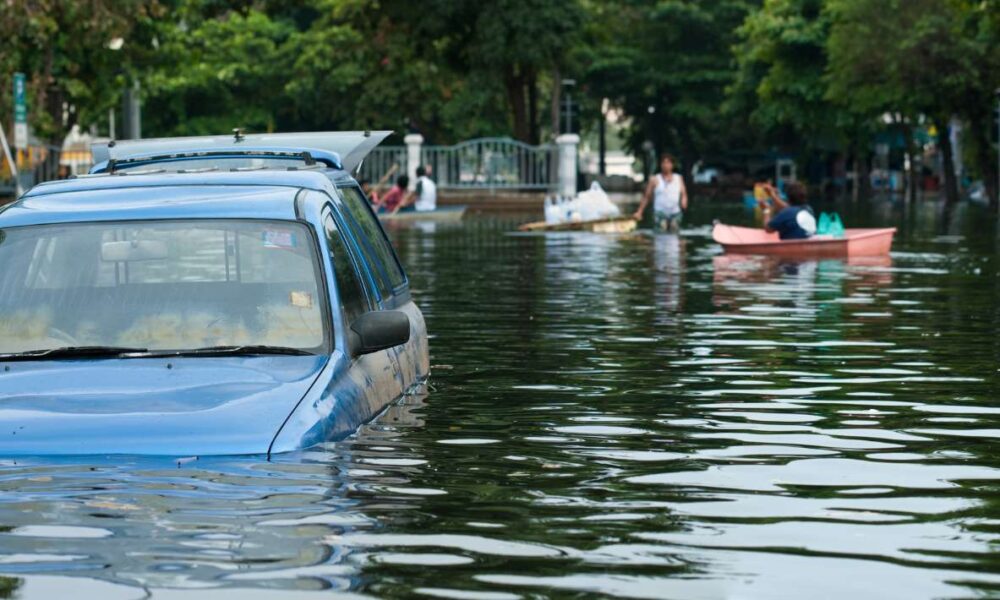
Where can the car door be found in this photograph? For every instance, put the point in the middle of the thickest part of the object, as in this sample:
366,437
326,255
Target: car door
376,375
390,280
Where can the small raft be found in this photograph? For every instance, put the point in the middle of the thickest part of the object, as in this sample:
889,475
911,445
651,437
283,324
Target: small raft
445,213
856,242
609,225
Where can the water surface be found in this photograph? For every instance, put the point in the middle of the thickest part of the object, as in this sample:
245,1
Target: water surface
635,416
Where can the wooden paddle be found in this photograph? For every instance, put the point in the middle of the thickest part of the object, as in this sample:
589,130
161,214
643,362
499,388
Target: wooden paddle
388,174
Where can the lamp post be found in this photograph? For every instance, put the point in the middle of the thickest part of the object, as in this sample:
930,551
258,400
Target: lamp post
997,199
648,160
568,104
603,141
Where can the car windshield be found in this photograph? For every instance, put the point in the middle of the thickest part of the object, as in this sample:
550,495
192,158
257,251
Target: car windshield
221,163
161,285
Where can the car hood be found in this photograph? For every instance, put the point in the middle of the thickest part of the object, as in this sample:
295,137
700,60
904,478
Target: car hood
153,406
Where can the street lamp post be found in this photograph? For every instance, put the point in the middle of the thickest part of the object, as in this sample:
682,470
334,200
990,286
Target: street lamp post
997,192
648,161
602,141
568,104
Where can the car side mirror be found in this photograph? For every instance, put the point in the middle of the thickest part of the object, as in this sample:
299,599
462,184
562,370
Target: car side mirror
379,330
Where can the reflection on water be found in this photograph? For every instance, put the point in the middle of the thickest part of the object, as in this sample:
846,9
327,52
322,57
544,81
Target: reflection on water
615,415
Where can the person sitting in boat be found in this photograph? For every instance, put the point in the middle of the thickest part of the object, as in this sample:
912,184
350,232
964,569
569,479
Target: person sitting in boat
370,192
392,201
670,197
795,219
424,197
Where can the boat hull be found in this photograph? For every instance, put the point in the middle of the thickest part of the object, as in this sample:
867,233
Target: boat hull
611,225
446,213
856,242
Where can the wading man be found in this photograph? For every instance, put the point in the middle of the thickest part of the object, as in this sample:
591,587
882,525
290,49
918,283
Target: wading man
670,197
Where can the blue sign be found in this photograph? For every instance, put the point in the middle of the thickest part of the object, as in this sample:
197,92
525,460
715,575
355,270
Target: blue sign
20,112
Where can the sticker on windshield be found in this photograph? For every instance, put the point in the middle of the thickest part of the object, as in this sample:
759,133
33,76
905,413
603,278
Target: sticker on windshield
301,299
278,239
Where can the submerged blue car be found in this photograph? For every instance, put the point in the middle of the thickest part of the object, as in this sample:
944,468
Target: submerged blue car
187,302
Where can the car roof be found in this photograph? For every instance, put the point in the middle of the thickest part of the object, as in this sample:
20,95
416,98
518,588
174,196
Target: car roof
246,195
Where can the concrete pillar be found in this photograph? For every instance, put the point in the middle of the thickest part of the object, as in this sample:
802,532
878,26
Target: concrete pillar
568,144
414,142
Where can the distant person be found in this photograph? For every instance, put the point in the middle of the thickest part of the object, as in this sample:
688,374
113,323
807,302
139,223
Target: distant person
760,192
392,201
424,196
370,192
794,219
670,197
374,192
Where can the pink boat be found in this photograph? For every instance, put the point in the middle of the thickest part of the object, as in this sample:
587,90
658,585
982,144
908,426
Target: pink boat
856,242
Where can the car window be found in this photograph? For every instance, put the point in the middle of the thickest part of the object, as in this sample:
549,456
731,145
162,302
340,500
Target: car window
376,242
349,288
162,285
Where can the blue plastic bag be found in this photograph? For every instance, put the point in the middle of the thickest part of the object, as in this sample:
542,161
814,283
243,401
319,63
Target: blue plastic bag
830,224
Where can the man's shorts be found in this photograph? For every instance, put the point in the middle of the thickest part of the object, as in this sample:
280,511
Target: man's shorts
665,222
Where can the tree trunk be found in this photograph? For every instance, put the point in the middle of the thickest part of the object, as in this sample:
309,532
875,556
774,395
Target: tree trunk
948,160
556,99
980,128
864,177
910,176
856,184
531,82
514,83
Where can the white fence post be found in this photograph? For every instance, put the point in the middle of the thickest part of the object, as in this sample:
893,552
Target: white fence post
414,142
568,143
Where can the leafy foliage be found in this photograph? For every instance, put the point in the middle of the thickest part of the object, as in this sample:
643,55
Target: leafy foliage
66,49
782,62
667,64
697,77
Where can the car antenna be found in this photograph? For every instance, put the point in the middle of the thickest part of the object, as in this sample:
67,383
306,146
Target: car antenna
368,133
238,135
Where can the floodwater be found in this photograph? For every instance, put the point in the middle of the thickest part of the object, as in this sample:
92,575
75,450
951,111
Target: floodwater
632,416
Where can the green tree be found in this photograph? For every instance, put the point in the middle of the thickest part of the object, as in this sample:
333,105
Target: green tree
211,72
781,64
313,65
981,25
514,43
405,79
667,64
904,56
67,50
781,83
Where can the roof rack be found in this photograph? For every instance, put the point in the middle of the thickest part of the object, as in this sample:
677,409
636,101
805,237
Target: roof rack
115,164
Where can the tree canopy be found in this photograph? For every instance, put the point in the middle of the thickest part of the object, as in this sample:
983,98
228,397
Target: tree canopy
696,77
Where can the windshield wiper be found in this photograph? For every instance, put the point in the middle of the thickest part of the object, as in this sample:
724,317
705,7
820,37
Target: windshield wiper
235,350
73,352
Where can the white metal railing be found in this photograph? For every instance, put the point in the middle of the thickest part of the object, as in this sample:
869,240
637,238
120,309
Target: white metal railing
381,161
485,163
492,163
